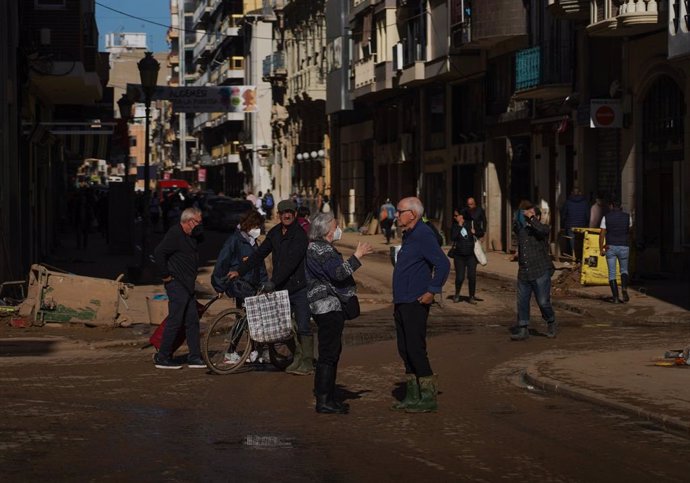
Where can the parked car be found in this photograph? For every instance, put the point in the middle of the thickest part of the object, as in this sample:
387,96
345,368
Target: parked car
225,213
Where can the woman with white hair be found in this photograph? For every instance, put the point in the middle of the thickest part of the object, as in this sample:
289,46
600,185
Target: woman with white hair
332,299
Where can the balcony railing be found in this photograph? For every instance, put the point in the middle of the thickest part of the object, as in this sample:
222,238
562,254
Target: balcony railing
624,17
570,9
232,68
202,80
543,72
274,65
365,71
201,12
231,25
310,80
200,46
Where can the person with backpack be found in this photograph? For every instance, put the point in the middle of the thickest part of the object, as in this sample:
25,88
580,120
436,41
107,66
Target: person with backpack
268,203
386,219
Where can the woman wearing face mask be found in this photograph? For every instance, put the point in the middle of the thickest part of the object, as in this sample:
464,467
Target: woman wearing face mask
330,286
239,246
462,234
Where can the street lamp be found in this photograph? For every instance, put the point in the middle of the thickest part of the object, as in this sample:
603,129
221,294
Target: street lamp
125,106
148,71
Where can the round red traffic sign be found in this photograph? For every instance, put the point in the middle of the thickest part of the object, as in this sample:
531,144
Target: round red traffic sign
604,116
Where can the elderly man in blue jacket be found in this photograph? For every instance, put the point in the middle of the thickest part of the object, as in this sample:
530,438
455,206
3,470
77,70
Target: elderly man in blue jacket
420,272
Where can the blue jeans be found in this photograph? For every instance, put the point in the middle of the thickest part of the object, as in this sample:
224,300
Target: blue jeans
301,311
182,314
620,253
542,292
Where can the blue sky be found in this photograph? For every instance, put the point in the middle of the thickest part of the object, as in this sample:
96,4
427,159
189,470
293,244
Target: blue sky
154,10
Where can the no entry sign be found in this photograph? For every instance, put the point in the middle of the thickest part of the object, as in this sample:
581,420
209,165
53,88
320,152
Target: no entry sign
606,113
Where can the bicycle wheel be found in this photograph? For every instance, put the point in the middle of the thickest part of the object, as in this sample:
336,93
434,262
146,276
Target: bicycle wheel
282,353
226,345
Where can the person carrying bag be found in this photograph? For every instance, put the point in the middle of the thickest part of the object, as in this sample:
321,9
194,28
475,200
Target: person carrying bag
331,292
464,254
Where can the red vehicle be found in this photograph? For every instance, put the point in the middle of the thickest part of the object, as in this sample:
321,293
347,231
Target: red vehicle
167,185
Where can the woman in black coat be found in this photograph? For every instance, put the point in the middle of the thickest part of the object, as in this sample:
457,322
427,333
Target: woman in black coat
462,234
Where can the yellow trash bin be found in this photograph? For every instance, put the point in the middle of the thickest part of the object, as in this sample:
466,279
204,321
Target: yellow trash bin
594,269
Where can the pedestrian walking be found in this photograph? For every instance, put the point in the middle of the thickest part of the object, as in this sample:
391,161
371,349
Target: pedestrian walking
614,244
462,235
268,204
331,291
476,214
386,219
177,258
287,242
420,272
574,214
535,269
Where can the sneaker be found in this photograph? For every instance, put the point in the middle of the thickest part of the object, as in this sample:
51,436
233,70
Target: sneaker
456,299
231,357
551,329
522,333
472,301
161,363
196,364
265,357
253,356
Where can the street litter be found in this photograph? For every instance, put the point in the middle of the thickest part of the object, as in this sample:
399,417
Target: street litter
56,296
675,357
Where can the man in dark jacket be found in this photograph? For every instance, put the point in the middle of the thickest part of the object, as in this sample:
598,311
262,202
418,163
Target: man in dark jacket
613,243
177,258
574,214
288,242
420,272
535,269
476,217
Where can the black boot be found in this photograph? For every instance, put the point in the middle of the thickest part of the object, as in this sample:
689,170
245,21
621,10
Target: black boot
456,299
336,402
614,291
324,382
624,286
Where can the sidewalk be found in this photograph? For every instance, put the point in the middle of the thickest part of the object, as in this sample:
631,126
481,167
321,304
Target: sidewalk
646,304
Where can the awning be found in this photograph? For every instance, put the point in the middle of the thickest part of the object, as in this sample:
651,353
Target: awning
80,140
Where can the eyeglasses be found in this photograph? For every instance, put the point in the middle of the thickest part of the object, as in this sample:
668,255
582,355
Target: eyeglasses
197,221
400,212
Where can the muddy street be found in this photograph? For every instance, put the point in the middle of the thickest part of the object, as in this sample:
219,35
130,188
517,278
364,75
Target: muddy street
74,410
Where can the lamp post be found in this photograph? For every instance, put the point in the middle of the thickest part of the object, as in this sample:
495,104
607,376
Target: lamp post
148,71
124,104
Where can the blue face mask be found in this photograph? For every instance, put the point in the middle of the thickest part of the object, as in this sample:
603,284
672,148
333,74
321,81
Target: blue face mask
521,218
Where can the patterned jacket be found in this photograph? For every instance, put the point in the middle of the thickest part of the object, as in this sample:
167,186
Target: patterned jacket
534,259
329,277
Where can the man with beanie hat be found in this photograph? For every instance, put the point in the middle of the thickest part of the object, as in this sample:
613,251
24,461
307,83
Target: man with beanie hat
287,242
535,269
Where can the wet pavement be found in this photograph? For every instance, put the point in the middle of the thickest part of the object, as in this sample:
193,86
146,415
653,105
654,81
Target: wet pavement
87,404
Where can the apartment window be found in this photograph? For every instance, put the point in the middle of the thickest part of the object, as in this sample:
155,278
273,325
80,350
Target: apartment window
436,117
467,115
49,4
133,141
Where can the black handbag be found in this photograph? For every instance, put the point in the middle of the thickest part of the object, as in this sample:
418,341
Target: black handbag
351,308
451,251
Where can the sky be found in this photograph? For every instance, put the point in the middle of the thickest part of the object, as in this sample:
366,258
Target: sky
154,10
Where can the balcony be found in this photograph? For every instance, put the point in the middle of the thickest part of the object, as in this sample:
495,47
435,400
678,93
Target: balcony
200,46
384,75
569,9
543,72
232,68
484,28
231,25
202,80
201,13
274,66
226,153
173,58
310,81
624,17
364,72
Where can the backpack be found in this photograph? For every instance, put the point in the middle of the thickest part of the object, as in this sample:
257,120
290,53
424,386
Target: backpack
268,200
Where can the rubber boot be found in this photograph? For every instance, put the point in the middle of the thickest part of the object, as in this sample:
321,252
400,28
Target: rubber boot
324,381
296,357
411,394
427,396
614,291
304,364
625,278
456,299
336,402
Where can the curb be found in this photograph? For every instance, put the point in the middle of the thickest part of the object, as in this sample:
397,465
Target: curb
669,424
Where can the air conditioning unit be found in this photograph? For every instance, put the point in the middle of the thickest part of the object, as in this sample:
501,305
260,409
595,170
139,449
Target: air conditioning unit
398,56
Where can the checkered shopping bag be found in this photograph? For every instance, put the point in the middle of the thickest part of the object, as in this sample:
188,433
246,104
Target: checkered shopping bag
268,315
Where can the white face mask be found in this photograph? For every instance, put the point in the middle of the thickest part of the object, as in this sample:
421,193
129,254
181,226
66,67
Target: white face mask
254,233
337,234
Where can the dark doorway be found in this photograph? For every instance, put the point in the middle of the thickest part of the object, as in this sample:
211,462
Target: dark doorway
464,184
662,137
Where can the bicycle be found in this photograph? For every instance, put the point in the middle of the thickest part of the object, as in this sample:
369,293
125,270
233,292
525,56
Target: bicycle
227,346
